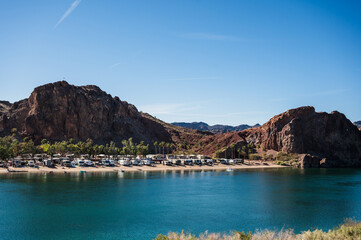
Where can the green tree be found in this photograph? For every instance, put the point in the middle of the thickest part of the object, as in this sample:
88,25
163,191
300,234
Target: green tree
155,146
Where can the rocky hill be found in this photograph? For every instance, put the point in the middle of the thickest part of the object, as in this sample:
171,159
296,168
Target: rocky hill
322,139
213,128
60,111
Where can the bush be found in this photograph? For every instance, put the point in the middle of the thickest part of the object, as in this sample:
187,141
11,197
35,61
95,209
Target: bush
254,156
351,230
287,159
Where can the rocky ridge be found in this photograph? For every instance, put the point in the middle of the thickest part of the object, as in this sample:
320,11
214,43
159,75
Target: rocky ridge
60,111
321,139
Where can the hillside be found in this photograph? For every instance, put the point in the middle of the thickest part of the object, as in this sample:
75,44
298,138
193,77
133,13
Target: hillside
213,128
322,139
60,111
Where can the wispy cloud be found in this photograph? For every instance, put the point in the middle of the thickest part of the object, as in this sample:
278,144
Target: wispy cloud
67,13
211,36
115,65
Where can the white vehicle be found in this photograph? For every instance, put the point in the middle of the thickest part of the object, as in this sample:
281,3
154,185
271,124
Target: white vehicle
88,163
147,162
124,162
79,162
66,163
225,161
232,161
111,162
31,163
135,162
48,163
209,161
105,162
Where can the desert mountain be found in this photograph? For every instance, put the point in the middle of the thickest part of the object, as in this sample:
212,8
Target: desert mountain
214,128
60,111
323,139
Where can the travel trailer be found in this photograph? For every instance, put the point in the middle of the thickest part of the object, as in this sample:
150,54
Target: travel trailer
31,163
48,163
88,163
147,162
124,162
79,162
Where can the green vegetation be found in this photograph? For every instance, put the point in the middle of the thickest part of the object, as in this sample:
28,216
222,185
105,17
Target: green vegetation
287,159
254,156
10,147
350,230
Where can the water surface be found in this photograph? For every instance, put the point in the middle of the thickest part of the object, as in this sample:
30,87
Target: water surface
143,204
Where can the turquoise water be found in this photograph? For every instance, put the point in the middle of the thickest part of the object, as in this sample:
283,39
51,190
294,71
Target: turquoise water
141,205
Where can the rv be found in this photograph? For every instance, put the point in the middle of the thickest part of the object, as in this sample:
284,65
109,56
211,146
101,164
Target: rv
147,161
66,163
88,163
31,163
124,162
135,162
48,163
105,162
209,162
79,162
111,162
188,162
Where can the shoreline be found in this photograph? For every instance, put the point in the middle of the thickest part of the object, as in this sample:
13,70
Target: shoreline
157,167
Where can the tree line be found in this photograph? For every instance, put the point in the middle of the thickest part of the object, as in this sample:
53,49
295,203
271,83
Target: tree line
10,147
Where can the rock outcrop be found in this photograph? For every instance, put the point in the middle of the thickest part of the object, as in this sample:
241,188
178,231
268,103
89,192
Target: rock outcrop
321,139
331,139
60,111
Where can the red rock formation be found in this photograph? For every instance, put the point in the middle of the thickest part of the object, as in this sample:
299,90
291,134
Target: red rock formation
302,130
329,140
60,111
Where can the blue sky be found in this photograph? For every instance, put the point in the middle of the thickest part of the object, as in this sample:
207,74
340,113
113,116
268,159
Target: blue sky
228,62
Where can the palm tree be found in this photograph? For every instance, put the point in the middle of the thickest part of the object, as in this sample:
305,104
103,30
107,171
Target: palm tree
162,145
232,148
155,146
173,146
167,145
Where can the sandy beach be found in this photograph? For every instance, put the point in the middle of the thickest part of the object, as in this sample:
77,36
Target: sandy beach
156,167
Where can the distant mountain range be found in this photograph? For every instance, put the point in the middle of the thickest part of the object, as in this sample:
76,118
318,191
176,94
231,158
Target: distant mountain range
202,126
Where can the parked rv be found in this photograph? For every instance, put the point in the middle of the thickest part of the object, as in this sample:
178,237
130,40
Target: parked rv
48,163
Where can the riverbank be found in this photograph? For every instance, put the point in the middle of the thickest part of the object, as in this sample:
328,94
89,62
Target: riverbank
351,230
156,167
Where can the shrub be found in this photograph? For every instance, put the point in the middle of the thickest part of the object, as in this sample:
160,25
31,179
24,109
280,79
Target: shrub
287,159
254,156
351,230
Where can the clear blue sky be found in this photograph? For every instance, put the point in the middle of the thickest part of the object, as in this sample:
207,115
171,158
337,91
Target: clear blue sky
227,62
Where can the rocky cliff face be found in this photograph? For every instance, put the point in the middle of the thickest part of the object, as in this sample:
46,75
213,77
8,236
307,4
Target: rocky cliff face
321,139
60,111
331,139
